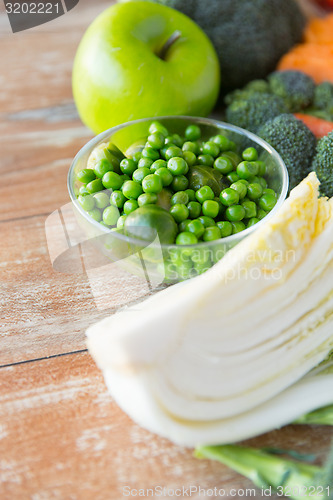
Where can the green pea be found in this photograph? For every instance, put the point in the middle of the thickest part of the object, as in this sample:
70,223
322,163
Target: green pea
250,154
222,141
156,140
101,199
86,202
147,199
262,182
261,168
191,194
204,193
121,221
132,189
254,191
224,165
225,227
250,209
110,215
177,140
196,227
140,173
145,163
240,188
261,213
117,199
251,222
206,160
191,147
101,167
152,184
186,238
95,214
96,185
150,153
165,175
128,166
194,209
269,191
211,233
235,213
233,177
211,148
210,208
207,221
157,164
130,206
86,175
169,141
173,152
229,197
83,191
266,202
177,166
190,158
179,183
183,225
192,133
136,157
112,180
247,169
238,227
156,126
179,211
179,197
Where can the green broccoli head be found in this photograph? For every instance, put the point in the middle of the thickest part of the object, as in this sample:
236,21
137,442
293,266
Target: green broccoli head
252,109
295,87
323,164
295,143
249,36
323,99
253,87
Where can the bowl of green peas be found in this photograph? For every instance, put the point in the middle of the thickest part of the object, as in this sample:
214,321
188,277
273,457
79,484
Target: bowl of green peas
167,197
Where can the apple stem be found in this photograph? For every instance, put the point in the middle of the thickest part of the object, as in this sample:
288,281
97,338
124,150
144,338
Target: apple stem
170,41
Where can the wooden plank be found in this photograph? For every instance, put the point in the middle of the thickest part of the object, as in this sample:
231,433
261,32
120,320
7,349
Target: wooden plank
34,165
41,58
61,436
44,312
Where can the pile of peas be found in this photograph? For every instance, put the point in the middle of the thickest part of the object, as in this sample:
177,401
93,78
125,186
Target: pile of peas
118,185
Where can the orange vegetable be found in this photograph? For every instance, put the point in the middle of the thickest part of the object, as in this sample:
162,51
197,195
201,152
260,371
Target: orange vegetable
318,126
319,30
315,59
315,55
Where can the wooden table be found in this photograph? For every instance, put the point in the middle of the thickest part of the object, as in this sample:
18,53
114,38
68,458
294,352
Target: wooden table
61,435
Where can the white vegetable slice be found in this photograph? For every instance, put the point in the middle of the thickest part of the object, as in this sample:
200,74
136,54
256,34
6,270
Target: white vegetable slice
210,360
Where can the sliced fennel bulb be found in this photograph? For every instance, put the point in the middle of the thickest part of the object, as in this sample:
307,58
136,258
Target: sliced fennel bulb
220,358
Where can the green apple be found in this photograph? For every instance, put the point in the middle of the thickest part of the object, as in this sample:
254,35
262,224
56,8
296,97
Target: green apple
141,59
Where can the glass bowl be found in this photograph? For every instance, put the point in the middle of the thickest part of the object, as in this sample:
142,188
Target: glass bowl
170,263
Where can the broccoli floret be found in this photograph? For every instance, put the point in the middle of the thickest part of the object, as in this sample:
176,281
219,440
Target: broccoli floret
295,87
295,143
252,111
249,36
323,164
254,87
258,86
323,101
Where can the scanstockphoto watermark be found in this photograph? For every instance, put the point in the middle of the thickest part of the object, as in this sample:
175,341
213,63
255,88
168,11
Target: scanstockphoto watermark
193,491
27,14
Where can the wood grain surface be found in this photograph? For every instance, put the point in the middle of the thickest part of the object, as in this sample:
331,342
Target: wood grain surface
61,435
